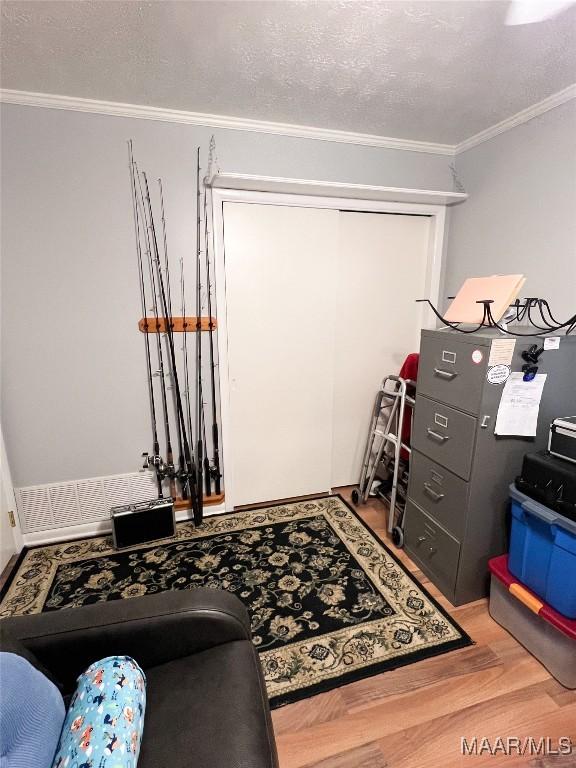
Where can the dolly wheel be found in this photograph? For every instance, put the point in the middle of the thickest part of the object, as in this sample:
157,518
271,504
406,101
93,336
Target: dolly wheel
356,497
398,537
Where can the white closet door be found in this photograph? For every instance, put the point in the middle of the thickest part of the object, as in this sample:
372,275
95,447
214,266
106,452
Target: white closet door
280,277
382,269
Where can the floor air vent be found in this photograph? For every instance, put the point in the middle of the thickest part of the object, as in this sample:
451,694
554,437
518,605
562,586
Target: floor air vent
58,505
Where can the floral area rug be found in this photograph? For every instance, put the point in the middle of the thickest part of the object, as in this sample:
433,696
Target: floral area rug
329,603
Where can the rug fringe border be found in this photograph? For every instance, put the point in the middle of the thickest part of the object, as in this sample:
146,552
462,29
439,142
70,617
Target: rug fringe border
410,575
282,700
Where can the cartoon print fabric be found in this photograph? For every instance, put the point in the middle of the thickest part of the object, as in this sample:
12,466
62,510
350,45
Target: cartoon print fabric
103,725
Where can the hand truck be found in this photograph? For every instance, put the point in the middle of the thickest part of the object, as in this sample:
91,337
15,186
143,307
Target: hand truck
385,436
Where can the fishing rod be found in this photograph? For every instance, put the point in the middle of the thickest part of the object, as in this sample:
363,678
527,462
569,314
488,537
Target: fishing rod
155,460
207,474
185,350
191,470
199,401
215,470
207,467
181,473
155,260
168,467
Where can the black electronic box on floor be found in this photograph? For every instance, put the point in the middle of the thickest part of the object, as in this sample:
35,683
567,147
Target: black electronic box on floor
143,522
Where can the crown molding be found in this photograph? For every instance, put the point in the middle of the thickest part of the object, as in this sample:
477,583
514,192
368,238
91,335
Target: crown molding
118,109
556,100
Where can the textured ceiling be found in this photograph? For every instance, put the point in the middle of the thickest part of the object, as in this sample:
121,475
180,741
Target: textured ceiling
430,71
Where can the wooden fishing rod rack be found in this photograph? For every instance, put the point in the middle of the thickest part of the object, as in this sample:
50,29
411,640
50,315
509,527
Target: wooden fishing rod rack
177,324
214,498
181,325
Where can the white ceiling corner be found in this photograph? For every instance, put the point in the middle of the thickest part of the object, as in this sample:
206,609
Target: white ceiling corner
555,100
438,76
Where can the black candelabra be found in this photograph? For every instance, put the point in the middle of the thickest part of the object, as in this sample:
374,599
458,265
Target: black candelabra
536,311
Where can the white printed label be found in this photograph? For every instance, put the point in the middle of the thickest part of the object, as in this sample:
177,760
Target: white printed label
501,352
552,342
448,357
477,356
498,374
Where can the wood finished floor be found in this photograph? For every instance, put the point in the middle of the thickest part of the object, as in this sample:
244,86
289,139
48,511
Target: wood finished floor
5,575
414,717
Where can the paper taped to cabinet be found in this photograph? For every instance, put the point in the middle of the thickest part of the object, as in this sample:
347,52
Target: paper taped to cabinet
519,405
501,352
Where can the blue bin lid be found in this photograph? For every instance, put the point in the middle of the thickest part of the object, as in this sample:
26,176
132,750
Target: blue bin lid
541,511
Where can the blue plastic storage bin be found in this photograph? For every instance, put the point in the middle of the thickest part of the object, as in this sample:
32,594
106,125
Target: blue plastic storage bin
543,552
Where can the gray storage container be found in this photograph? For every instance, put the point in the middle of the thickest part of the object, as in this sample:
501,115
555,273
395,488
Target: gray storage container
552,647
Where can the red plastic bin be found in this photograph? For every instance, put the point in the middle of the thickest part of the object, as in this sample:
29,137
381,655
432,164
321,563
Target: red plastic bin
547,634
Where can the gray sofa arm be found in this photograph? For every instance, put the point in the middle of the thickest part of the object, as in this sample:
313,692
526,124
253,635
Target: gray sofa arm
152,629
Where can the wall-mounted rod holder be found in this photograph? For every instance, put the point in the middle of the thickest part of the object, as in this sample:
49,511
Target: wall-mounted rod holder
214,498
178,324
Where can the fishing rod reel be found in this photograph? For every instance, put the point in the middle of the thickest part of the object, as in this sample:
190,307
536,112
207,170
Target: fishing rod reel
163,470
216,476
171,471
183,477
156,463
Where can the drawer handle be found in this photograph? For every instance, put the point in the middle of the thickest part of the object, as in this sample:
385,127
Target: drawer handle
432,550
432,493
421,539
437,435
449,375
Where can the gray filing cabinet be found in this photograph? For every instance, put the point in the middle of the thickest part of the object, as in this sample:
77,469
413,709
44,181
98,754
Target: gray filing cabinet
456,513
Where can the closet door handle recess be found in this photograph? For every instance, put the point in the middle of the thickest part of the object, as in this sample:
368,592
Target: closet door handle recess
432,493
437,435
449,375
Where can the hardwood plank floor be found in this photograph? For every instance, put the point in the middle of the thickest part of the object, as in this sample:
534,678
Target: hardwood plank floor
5,575
416,716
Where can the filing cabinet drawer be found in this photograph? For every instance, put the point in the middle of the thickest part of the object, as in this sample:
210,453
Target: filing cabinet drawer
447,371
438,492
445,435
432,546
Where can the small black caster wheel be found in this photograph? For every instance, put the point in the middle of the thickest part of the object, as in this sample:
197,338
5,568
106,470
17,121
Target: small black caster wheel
356,497
398,537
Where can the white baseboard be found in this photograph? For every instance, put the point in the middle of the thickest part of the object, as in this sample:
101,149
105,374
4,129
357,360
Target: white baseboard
99,528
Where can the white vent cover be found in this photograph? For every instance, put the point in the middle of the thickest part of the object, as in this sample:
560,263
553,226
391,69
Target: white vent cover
64,504
34,508
58,505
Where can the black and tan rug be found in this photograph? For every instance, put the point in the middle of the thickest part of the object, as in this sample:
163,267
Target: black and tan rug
329,603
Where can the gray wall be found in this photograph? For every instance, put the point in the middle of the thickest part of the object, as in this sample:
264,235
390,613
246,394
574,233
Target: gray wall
521,214
73,390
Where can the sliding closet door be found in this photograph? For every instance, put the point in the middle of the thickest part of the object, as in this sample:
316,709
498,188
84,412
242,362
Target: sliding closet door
382,263
280,279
